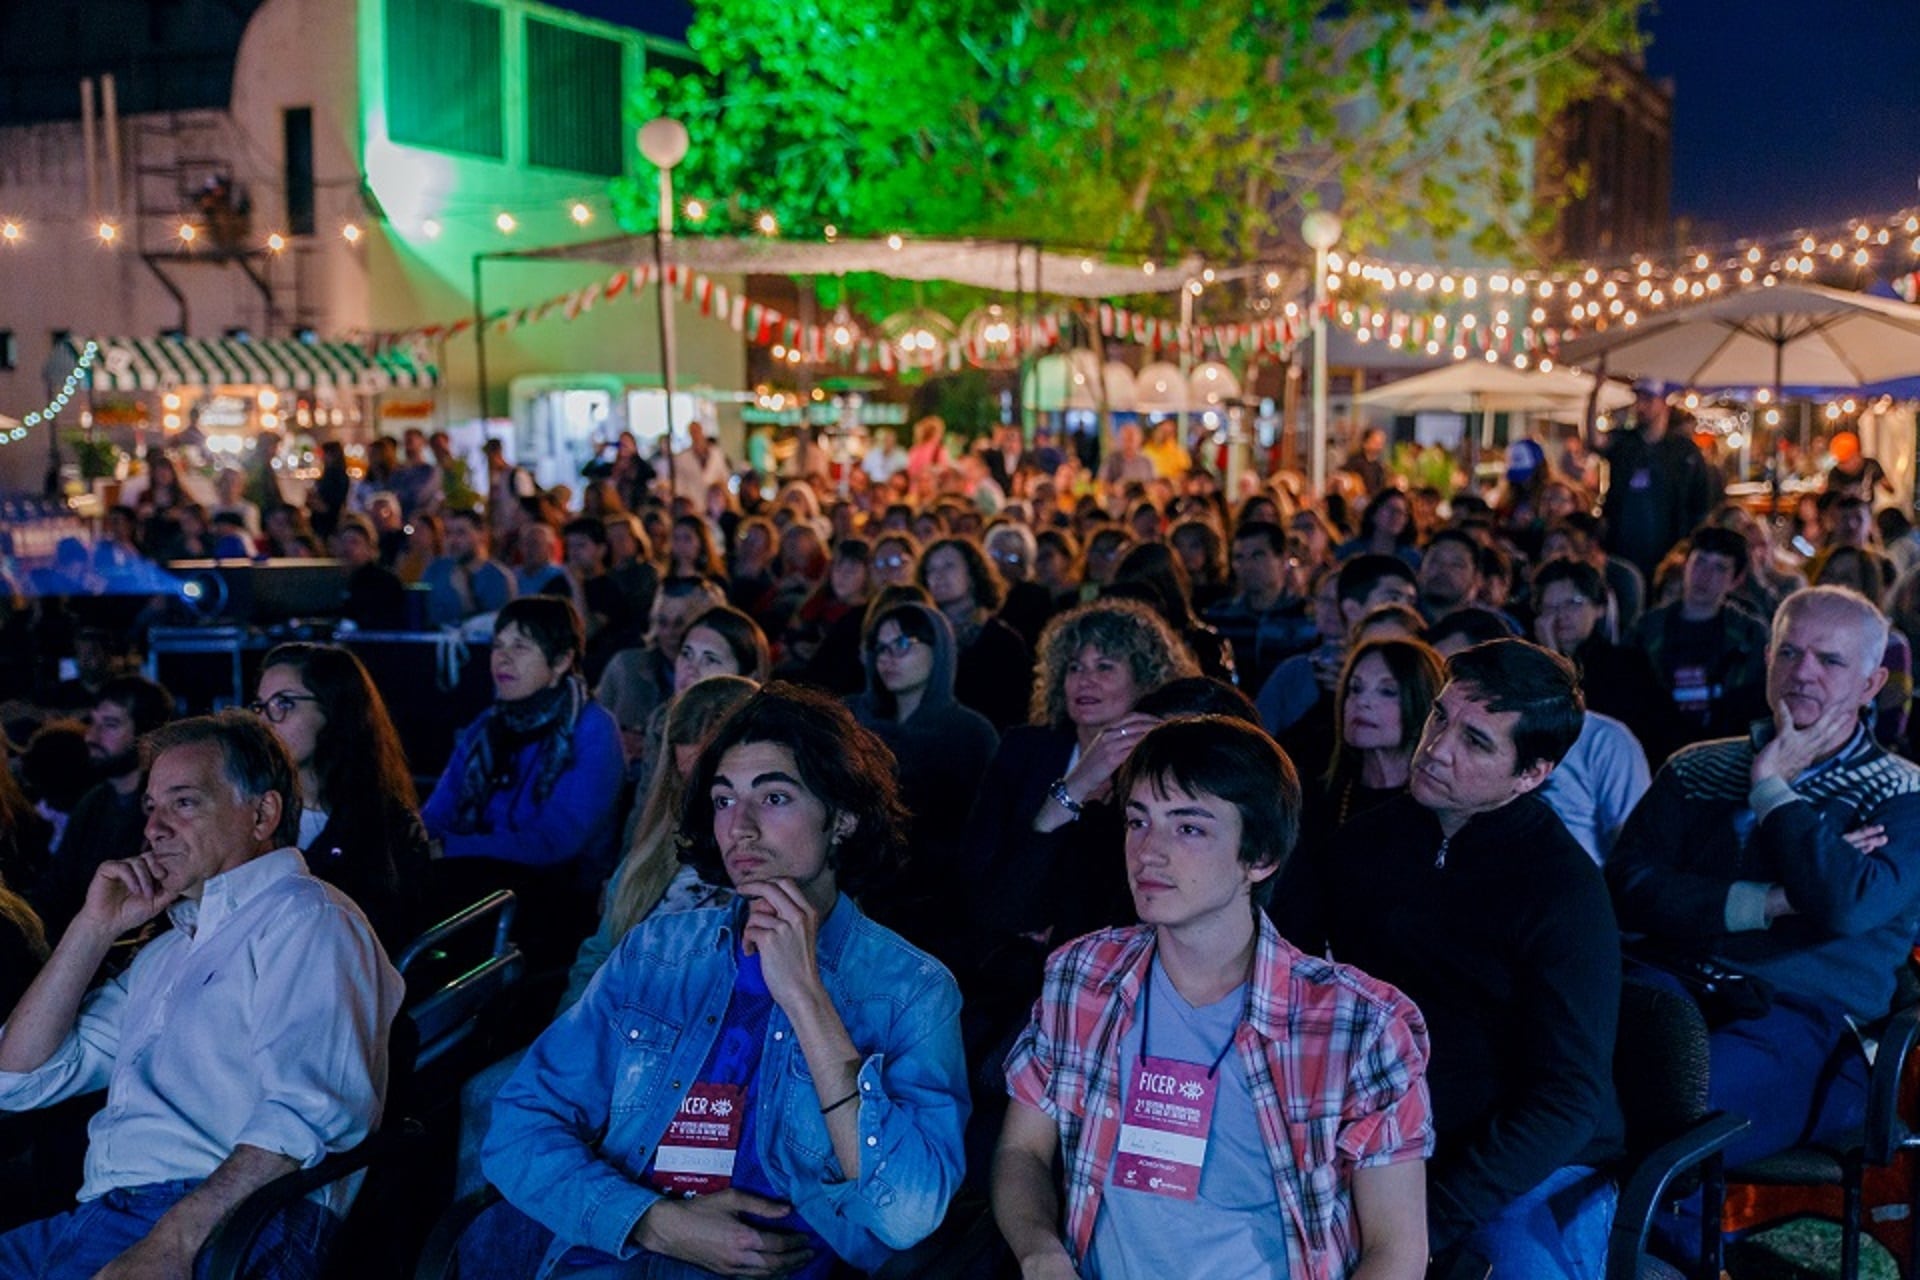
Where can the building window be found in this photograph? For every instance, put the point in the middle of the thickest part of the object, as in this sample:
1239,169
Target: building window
444,85
9,350
296,130
573,100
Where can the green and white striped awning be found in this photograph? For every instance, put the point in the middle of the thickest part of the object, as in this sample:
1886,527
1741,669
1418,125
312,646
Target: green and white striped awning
156,364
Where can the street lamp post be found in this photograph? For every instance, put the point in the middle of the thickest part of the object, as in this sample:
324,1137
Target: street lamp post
664,143
1321,231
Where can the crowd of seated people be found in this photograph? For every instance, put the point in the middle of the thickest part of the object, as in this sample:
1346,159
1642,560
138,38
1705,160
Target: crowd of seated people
1198,887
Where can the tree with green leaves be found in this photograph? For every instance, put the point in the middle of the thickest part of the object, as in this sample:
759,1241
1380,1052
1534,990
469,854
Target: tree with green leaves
1203,126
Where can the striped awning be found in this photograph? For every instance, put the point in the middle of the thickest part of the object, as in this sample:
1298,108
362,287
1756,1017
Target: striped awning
155,364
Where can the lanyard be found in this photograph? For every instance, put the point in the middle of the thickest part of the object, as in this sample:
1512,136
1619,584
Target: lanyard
1146,1027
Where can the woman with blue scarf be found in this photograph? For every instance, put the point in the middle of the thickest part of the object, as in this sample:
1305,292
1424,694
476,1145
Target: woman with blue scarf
529,799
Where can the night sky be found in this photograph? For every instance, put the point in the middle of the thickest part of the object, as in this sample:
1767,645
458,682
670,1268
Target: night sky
1789,113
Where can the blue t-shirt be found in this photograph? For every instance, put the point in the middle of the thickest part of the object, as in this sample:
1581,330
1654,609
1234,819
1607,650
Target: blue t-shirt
735,1060
1235,1229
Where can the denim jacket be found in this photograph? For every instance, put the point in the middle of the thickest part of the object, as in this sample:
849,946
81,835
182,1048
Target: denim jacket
575,1126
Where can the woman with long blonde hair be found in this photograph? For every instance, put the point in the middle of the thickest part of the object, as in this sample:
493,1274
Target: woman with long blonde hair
650,876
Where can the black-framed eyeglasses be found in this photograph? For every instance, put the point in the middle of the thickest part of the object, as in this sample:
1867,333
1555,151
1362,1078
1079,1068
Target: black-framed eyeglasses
276,709
899,646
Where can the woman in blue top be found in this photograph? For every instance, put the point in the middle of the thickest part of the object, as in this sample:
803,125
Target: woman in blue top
530,798
761,1088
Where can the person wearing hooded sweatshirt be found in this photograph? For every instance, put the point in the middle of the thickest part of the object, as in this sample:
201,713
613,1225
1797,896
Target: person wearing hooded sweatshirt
943,749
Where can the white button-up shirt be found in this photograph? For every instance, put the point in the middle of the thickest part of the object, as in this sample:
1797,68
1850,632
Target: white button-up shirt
260,1018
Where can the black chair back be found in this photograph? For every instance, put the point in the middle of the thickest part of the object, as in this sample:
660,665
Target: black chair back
1660,1064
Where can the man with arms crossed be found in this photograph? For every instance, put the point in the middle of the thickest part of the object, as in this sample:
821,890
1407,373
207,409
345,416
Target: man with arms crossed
1227,1106
248,1041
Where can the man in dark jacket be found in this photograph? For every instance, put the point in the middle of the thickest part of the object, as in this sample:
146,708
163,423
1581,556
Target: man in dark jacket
1792,857
1710,655
1658,485
108,823
1469,895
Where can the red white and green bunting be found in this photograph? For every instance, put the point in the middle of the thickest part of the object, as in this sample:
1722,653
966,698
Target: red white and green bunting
764,326
1273,334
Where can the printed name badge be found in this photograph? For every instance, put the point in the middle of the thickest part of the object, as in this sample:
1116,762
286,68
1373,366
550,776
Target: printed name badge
696,1156
1164,1127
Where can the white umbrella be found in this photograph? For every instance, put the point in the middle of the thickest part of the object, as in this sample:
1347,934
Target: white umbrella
1478,386
1162,388
1785,335
1481,388
1071,380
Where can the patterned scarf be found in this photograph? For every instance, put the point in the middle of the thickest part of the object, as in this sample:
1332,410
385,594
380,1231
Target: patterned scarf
547,718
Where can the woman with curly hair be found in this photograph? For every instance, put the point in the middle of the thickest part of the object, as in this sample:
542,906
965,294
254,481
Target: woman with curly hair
995,663
360,827
1044,840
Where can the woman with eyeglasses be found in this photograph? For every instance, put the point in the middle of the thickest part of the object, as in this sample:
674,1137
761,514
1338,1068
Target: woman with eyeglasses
943,749
360,827
530,798
896,558
1029,606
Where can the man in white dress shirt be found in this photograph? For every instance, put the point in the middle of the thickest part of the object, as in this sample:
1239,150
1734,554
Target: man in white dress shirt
246,1042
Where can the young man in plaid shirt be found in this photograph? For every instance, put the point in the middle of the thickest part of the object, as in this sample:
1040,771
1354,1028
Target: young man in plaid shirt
1226,1105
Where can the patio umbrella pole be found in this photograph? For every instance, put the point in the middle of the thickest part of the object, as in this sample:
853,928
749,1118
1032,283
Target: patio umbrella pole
1779,454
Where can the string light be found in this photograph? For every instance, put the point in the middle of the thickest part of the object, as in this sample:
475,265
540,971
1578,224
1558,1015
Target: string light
770,226
10,232
66,393
350,233
430,228
187,233
276,242
506,224
696,210
107,232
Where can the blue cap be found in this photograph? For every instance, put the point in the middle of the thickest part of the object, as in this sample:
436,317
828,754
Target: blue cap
1525,458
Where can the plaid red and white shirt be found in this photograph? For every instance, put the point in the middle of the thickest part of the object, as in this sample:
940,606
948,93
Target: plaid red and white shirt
1336,1063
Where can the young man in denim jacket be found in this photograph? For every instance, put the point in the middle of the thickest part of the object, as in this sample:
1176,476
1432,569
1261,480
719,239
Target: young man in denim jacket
761,1088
